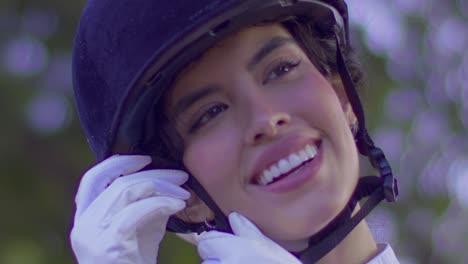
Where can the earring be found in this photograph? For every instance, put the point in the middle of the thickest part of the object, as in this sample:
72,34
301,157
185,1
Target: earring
354,129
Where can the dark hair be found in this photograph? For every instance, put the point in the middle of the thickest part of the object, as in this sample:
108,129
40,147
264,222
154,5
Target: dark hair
321,49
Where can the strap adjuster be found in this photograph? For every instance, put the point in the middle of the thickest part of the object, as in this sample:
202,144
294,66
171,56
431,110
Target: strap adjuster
379,161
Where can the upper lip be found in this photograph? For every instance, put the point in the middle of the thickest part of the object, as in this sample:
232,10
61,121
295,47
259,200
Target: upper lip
274,153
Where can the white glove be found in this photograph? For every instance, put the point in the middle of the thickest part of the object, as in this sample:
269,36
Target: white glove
247,246
123,219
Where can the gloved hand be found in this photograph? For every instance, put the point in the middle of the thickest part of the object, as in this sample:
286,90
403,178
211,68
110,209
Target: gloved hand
123,219
247,246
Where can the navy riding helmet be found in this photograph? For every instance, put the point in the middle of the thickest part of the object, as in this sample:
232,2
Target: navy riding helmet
128,52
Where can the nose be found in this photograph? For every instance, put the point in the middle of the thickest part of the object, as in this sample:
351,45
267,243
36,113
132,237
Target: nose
265,126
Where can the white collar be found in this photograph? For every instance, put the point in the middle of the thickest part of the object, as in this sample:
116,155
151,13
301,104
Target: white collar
385,256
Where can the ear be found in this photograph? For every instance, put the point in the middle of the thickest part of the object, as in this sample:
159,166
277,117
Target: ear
196,210
344,101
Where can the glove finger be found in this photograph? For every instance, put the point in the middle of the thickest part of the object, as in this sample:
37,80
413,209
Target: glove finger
121,231
122,193
177,177
243,227
97,178
154,210
133,187
215,245
163,185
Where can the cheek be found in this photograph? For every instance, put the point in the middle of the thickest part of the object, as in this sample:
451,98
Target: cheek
211,158
314,99
318,105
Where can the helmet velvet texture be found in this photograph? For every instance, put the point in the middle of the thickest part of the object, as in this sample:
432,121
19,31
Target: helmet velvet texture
114,42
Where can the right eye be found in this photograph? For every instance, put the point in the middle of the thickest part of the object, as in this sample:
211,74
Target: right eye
281,69
207,115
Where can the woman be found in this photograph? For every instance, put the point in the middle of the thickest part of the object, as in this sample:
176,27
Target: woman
256,101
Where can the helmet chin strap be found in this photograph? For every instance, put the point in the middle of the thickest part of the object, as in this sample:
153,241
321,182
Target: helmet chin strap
328,238
219,223
375,187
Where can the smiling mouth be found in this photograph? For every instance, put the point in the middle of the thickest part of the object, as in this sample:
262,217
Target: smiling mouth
286,166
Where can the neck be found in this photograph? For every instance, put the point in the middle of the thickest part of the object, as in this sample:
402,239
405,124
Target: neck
358,247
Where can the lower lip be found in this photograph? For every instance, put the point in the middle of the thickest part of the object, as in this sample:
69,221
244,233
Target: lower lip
298,177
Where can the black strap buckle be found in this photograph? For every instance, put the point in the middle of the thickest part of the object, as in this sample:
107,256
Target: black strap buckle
379,161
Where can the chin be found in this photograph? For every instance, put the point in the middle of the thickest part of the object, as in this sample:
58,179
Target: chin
294,228
312,221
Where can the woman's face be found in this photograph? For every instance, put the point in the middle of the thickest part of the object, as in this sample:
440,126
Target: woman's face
254,108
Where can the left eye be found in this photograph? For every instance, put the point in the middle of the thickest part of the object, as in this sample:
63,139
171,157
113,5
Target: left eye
207,115
281,69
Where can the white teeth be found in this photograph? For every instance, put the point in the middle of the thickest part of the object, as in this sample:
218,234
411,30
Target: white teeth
266,177
287,164
303,155
284,166
294,160
275,172
262,180
311,151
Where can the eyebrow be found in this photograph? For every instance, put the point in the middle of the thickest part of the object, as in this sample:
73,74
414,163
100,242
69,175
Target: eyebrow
270,46
185,102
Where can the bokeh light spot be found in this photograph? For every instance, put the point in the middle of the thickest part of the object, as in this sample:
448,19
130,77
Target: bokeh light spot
451,37
25,56
457,180
403,104
48,113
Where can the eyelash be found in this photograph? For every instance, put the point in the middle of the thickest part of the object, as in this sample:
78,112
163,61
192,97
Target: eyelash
207,115
285,66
